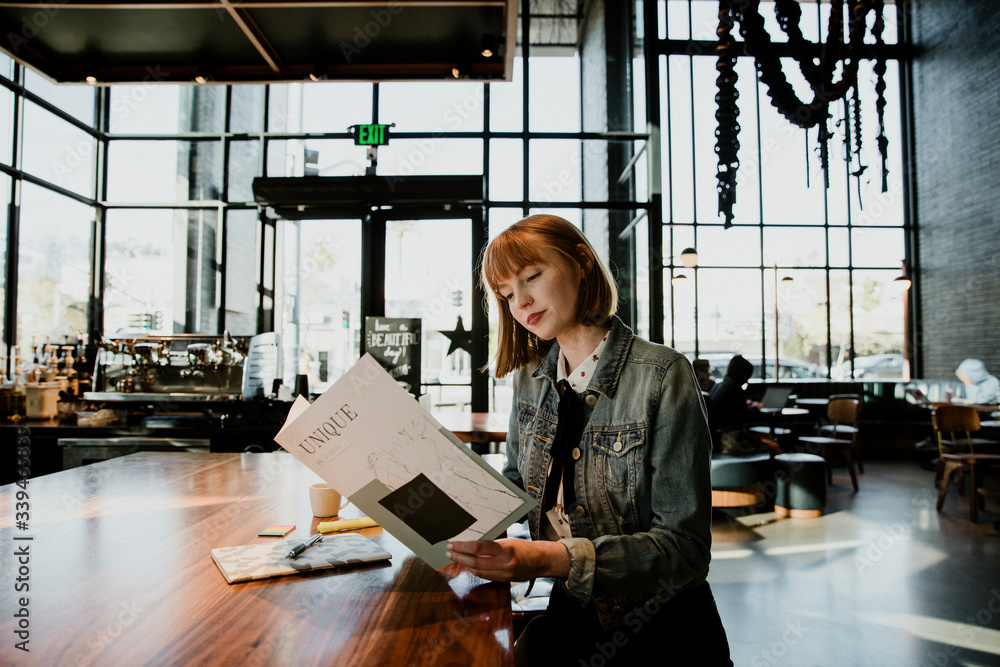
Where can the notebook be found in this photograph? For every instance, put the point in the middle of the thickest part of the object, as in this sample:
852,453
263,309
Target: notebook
267,559
775,397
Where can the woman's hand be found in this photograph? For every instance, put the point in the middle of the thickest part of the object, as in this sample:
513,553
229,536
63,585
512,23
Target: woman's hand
511,559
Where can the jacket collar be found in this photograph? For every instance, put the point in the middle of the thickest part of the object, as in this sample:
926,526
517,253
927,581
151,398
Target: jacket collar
609,370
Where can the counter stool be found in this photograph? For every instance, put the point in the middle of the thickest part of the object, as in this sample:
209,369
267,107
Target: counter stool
738,481
801,486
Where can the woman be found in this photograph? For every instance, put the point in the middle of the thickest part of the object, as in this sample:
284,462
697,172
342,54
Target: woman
608,433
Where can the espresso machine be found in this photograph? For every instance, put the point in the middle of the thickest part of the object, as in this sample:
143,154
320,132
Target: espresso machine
173,368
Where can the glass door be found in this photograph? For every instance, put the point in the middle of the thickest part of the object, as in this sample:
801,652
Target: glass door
319,302
429,268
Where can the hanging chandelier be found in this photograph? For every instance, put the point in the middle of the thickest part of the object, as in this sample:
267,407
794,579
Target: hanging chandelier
837,58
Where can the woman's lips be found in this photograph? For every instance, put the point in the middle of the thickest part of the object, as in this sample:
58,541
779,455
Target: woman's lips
534,317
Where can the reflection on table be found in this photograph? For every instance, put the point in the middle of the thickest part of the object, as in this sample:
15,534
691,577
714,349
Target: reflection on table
121,573
774,414
978,407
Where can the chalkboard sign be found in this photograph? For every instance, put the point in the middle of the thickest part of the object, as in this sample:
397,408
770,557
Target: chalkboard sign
395,343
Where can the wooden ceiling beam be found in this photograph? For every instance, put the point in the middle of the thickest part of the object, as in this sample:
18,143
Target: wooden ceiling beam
255,35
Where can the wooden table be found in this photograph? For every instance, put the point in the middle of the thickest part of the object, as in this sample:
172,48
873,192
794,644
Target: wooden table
477,428
978,407
120,573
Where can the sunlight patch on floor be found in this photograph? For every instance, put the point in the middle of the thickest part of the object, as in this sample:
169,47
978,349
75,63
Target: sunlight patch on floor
969,635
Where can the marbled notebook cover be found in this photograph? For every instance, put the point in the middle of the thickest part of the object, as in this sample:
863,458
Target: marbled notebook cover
267,559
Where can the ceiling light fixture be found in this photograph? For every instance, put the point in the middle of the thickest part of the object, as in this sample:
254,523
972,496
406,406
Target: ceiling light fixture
491,46
902,281
689,258
318,73
203,75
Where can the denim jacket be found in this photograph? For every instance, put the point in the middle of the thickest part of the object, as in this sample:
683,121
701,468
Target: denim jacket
642,518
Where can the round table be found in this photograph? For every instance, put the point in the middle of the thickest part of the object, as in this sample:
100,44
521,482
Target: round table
772,415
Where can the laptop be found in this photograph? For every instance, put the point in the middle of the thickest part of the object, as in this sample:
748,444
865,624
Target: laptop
916,395
775,397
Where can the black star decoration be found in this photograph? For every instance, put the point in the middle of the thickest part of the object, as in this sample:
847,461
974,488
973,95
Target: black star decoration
460,338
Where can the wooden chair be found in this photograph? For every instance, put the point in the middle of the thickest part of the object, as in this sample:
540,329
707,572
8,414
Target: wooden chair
953,429
843,415
843,430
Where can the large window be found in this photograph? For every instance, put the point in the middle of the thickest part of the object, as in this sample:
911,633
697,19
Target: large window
53,268
805,274
320,296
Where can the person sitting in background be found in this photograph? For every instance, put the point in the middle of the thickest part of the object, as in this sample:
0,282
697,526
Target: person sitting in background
703,371
729,410
980,386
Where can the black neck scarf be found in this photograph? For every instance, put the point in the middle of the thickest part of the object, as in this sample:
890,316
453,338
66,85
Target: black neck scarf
569,429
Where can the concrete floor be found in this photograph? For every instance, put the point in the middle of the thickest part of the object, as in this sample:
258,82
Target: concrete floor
881,579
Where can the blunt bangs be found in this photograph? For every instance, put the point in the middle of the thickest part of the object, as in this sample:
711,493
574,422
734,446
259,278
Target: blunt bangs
510,252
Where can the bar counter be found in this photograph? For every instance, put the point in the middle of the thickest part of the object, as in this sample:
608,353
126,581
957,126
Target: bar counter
116,566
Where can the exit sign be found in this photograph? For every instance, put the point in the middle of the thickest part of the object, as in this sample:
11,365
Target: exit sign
374,134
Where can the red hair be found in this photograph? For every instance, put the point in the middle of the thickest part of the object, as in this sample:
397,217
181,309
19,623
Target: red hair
521,245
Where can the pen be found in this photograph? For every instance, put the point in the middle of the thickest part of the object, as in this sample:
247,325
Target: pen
295,552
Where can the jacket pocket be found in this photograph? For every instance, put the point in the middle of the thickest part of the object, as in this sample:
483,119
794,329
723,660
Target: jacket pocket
618,455
535,430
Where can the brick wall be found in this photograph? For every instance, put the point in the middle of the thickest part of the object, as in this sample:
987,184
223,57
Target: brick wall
956,128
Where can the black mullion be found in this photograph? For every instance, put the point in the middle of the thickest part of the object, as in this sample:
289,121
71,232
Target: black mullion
654,220
98,244
480,325
911,221
761,228
13,226
525,116
223,219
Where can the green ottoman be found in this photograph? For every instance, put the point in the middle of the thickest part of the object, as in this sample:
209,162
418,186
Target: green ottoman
801,486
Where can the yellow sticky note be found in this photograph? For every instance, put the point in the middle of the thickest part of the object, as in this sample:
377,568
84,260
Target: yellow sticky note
346,524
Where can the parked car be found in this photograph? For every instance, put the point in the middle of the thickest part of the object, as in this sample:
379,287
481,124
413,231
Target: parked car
787,367
871,367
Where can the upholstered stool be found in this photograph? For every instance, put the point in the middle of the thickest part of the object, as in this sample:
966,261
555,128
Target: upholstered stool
801,486
738,481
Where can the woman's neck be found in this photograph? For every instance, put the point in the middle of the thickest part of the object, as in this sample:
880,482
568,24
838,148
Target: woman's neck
577,343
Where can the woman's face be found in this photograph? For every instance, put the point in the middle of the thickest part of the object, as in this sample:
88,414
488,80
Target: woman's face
542,296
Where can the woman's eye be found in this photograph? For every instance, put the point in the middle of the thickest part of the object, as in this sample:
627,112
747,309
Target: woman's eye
509,296
533,276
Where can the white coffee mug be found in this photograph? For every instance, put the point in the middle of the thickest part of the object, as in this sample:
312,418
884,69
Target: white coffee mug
325,500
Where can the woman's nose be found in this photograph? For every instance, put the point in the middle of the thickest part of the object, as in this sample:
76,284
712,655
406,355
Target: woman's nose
521,299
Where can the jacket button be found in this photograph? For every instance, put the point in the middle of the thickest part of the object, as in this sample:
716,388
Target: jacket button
591,400
617,446
581,511
577,453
